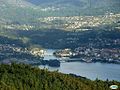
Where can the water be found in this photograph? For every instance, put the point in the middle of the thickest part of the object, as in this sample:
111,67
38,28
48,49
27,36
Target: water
49,54
92,71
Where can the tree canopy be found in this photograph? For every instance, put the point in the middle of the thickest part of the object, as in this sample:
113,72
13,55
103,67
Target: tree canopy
26,77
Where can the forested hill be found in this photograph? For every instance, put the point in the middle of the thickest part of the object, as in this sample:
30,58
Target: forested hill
81,6
25,77
85,3
28,11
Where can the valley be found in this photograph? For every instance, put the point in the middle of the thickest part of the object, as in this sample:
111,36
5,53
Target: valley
62,34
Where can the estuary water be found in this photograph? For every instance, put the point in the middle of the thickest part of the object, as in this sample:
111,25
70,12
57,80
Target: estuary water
91,71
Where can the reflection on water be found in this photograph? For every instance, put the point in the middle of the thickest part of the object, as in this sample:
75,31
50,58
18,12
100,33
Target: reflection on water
92,70
49,54
89,70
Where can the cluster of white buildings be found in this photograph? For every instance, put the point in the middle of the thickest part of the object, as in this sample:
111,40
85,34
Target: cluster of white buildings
34,51
77,22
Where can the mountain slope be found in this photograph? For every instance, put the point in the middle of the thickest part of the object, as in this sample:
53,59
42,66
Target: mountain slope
96,3
20,11
81,4
57,2
25,77
26,11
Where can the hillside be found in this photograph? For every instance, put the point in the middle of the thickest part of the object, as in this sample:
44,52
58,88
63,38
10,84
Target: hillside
27,11
94,3
16,11
25,77
82,7
57,24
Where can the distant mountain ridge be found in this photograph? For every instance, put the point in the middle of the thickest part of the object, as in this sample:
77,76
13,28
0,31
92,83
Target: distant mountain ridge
94,3
107,5
51,2
26,11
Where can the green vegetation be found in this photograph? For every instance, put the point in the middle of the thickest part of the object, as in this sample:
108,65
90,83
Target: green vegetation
59,39
71,15
26,24
28,11
26,77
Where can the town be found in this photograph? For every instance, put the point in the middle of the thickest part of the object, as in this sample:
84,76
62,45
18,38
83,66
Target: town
33,56
68,23
80,23
10,53
88,55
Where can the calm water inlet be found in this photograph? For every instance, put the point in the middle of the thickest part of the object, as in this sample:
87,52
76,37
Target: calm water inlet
90,70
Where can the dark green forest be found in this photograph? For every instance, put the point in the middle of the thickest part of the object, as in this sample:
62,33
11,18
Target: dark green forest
26,77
